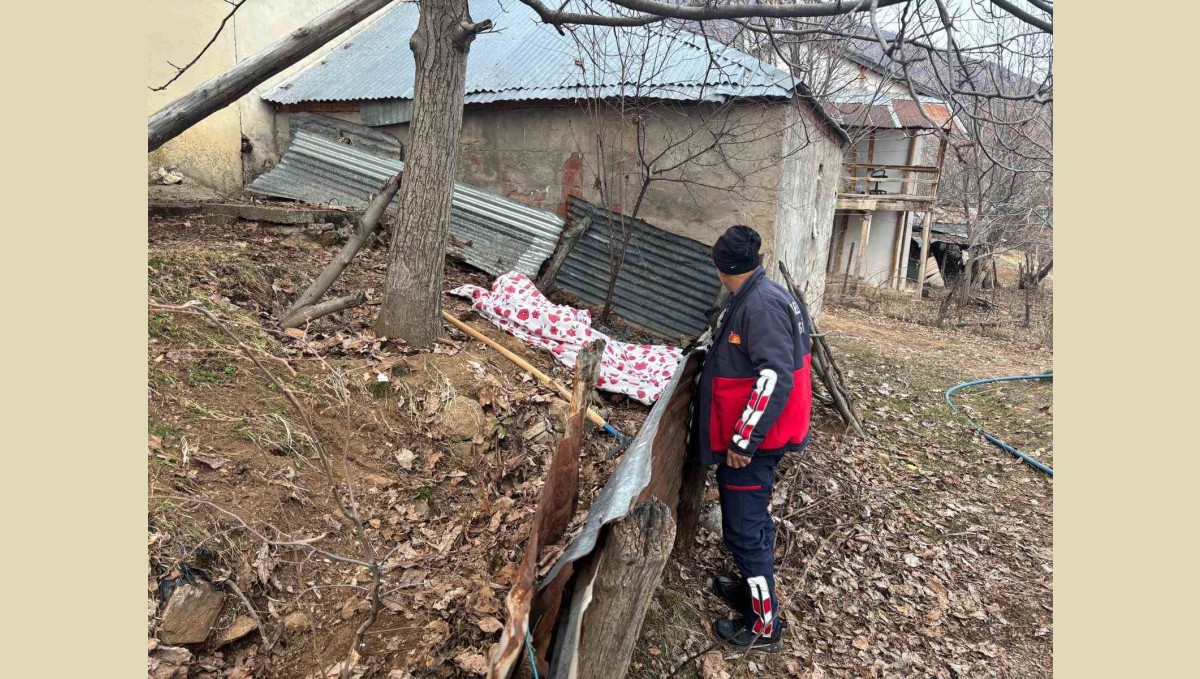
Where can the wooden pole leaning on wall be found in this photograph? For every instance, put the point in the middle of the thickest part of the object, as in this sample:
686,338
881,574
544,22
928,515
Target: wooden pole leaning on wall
221,91
570,236
824,365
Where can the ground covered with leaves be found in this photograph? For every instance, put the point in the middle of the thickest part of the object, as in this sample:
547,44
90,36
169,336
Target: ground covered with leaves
921,551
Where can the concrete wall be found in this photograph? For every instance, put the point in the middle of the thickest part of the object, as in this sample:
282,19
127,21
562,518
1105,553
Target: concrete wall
541,154
877,267
210,152
806,203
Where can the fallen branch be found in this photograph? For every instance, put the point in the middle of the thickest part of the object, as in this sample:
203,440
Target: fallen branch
314,311
366,228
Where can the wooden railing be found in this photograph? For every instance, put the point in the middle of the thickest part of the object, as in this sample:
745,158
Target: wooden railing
909,181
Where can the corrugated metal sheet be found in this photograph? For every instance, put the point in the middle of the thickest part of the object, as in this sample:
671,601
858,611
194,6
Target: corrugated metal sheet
379,112
527,59
881,110
666,284
496,234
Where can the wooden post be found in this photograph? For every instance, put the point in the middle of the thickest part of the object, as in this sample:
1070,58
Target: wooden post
897,244
924,255
912,158
691,503
570,236
937,179
841,243
846,274
630,565
864,235
906,252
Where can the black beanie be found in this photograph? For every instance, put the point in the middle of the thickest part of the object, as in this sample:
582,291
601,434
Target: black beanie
736,251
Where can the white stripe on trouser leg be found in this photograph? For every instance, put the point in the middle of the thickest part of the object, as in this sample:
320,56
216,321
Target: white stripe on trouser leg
754,407
760,602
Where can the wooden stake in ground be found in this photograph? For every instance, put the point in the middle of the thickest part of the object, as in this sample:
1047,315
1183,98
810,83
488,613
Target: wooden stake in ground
562,486
223,90
305,308
630,565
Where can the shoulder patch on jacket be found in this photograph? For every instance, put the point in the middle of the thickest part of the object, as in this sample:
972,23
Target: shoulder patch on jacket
734,338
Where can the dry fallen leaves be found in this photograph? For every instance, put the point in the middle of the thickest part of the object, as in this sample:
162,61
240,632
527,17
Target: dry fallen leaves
490,625
712,666
471,662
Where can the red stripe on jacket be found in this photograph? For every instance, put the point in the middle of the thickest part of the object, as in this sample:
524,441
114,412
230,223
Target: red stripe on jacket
729,398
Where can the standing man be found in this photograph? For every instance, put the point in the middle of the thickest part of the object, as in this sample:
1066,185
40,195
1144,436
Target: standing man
754,406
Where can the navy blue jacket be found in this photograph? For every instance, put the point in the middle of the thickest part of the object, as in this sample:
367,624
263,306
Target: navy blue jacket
756,387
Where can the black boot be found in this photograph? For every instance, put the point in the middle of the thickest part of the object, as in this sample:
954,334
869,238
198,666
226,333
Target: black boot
732,591
733,633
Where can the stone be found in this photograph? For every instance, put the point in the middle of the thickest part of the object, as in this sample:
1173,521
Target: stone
242,626
297,621
168,662
190,614
463,419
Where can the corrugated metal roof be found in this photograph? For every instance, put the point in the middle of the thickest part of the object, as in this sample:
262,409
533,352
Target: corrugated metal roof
882,110
527,59
497,234
666,284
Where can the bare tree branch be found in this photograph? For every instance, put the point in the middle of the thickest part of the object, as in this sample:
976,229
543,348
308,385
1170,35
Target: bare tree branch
180,70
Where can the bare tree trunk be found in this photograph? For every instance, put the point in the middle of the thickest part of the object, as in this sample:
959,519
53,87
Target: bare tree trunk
615,267
412,296
219,92
632,561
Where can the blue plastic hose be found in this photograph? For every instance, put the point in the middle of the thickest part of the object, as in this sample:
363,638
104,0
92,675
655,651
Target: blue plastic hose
992,439
532,658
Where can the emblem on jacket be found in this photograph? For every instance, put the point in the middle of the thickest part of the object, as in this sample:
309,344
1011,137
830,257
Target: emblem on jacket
734,338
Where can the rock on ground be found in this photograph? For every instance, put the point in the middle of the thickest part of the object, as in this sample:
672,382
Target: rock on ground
190,614
463,419
242,626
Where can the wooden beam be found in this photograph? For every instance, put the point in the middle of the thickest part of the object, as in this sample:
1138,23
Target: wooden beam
864,235
925,219
909,168
897,245
906,253
221,91
570,236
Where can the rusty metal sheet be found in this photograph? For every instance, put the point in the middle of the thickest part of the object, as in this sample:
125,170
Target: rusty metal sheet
910,115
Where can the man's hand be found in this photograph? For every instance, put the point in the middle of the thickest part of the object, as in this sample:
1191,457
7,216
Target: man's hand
735,459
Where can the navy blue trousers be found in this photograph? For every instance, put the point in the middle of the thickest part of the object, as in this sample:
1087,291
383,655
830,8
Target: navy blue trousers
749,532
